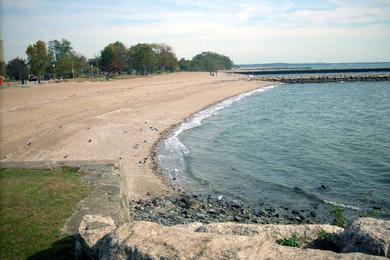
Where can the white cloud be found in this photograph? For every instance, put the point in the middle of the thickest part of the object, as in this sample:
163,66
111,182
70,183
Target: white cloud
255,31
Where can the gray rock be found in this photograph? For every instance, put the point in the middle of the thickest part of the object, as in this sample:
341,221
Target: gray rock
368,235
145,240
93,232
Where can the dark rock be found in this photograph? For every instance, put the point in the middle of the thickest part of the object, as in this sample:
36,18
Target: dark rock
313,214
260,212
323,187
212,211
200,216
237,218
235,204
295,212
193,204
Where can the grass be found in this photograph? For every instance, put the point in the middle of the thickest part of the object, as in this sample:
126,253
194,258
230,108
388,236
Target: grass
292,241
34,207
339,217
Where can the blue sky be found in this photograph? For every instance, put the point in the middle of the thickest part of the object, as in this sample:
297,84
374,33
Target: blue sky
248,31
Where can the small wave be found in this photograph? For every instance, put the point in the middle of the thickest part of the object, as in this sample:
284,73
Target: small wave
341,205
172,153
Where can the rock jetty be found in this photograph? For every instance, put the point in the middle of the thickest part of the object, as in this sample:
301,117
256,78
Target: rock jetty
321,78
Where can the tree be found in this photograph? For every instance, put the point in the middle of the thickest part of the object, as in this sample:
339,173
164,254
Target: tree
165,57
184,65
114,58
59,49
17,69
143,58
2,68
210,61
38,58
61,56
72,65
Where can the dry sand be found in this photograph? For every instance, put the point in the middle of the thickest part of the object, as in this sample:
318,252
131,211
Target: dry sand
95,121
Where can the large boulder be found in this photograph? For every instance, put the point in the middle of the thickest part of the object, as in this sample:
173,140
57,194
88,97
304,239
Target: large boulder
368,235
99,238
146,240
94,230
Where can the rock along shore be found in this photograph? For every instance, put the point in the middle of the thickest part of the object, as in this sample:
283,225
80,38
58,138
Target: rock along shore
322,78
183,209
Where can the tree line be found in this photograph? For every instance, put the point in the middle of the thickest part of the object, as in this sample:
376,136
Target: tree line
58,59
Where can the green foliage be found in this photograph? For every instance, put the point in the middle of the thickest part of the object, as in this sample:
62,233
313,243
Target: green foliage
38,58
369,213
2,68
35,205
17,69
72,65
292,241
114,58
165,58
210,61
59,50
325,236
338,214
142,58
184,65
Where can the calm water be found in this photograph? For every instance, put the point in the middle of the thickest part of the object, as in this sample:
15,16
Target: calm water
282,144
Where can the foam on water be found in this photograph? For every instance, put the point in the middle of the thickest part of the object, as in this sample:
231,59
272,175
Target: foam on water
172,152
302,145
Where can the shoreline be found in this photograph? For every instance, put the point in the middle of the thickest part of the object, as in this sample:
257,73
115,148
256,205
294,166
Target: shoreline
166,133
325,206
181,201
115,121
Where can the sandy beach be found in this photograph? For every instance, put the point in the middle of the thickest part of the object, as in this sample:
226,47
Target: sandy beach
117,121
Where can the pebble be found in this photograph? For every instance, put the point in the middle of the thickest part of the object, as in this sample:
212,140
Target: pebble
184,208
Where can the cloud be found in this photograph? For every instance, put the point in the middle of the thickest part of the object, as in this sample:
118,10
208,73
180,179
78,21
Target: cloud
250,30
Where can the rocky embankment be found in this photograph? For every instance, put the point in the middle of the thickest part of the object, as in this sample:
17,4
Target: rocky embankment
322,78
100,238
184,209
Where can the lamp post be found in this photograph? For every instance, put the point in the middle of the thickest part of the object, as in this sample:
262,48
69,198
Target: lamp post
54,69
92,70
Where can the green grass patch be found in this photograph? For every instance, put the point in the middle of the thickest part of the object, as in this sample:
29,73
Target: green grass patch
35,205
338,215
292,241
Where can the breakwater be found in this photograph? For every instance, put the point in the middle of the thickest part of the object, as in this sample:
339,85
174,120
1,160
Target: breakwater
309,70
321,78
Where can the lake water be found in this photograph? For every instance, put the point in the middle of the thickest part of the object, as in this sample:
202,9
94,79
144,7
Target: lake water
290,144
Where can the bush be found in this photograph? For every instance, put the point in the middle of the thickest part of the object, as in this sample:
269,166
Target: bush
338,214
292,241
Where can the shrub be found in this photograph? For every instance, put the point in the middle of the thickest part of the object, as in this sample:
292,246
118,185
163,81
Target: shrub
338,214
292,241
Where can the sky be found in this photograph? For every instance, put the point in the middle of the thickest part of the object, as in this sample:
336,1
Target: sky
248,31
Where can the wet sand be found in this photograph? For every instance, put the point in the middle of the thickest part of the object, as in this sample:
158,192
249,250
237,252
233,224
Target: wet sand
117,121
